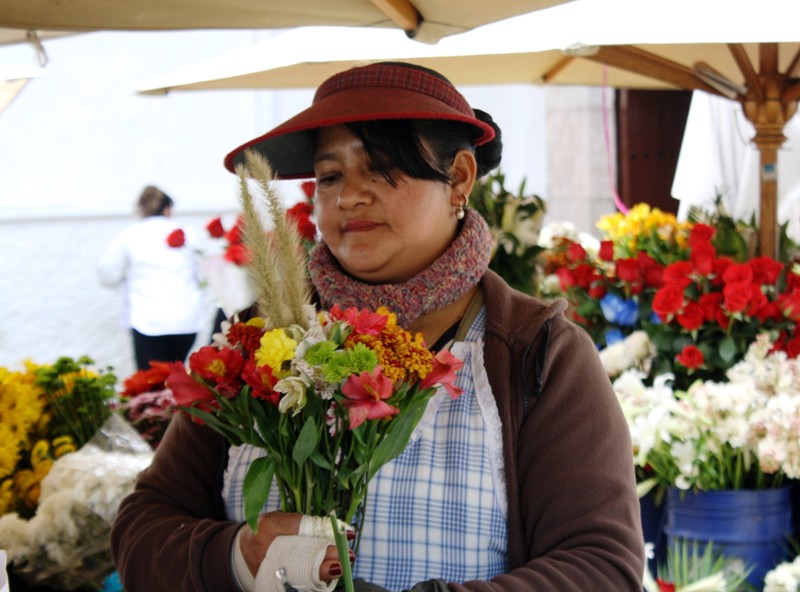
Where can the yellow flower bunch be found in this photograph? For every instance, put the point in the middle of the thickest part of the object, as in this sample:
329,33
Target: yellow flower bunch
26,453
647,229
41,411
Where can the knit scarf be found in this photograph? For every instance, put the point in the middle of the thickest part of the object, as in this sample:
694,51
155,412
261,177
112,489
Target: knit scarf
448,278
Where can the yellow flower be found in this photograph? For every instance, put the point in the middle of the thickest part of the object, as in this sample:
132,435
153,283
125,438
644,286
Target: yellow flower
276,348
63,445
9,450
6,496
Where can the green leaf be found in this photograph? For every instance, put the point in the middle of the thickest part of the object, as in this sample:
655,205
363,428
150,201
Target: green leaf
727,349
257,484
306,442
396,438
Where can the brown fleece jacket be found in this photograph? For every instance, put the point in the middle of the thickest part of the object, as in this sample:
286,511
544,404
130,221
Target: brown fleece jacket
573,514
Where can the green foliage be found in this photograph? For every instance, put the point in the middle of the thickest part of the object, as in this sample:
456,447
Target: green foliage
515,220
78,396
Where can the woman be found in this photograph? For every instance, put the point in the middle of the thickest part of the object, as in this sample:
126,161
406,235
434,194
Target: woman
524,483
164,302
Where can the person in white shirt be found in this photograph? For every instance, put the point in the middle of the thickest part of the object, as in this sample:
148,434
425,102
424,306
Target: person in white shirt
159,276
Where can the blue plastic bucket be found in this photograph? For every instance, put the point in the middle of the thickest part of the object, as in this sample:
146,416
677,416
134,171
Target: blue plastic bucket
752,525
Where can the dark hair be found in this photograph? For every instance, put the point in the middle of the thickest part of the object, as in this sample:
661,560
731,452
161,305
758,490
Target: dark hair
392,145
153,202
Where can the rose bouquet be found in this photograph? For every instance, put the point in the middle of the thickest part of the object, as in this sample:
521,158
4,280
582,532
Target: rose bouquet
330,395
710,308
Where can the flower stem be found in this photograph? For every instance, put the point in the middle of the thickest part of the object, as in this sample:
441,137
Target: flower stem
344,554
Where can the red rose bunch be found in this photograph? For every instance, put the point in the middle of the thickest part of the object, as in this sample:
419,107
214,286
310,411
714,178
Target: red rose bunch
608,296
711,308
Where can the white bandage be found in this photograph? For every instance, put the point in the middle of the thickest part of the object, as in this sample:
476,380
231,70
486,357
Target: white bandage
301,557
320,527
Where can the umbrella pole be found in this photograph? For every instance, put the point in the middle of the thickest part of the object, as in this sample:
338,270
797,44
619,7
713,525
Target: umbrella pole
768,237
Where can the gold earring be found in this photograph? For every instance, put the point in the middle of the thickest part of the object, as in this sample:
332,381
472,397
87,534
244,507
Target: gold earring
460,208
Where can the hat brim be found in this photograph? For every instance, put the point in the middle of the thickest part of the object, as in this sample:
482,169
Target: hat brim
289,148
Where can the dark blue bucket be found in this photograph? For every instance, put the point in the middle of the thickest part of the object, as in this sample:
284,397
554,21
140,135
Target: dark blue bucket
752,525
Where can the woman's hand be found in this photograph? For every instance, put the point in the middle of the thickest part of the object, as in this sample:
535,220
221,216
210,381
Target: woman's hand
254,545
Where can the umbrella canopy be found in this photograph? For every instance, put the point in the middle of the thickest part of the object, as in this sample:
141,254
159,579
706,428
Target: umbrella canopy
425,20
13,78
746,52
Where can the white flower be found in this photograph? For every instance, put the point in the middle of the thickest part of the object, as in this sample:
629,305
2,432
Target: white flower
783,578
630,352
295,391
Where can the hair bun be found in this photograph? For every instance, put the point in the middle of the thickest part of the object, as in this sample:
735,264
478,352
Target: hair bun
488,155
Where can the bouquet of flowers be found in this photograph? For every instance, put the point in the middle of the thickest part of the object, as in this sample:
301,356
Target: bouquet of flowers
710,308
515,222
331,395
147,403
737,434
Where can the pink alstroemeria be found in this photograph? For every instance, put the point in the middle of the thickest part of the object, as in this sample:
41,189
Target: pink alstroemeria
445,366
363,322
366,394
184,388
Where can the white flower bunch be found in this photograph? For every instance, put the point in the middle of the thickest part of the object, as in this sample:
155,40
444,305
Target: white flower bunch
66,543
549,235
783,578
713,436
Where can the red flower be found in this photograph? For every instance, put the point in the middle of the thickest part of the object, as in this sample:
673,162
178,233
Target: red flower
176,238
711,304
445,366
738,274
218,366
215,228
149,379
629,271
308,187
692,316
248,336
236,254
757,300
737,297
765,270
566,279
262,382
668,301
584,275
790,305
701,234
691,357
187,390
606,250
665,586
300,214
363,322
702,258
366,397
678,273
576,253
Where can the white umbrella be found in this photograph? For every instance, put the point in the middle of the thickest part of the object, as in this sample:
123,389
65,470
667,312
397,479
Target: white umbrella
426,20
745,51
13,78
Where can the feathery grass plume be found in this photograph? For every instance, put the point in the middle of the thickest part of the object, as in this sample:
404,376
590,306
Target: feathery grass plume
276,263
